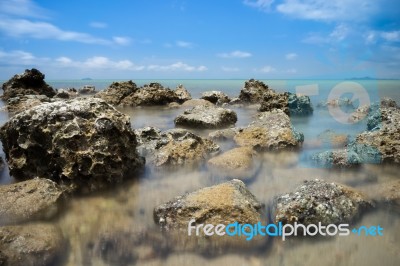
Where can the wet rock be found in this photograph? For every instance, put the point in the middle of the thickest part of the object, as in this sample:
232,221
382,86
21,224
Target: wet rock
149,139
25,102
152,94
224,134
179,147
206,117
272,100
197,102
117,91
2,164
87,89
387,102
216,97
319,201
31,82
299,105
387,193
29,200
182,94
85,142
271,131
220,204
333,139
253,91
34,244
341,102
237,163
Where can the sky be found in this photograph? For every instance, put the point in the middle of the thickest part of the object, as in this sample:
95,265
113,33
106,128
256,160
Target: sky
201,39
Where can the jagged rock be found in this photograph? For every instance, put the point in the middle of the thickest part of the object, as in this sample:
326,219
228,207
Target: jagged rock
29,200
216,97
253,91
197,102
299,105
182,94
87,89
2,164
85,142
25,102
152,94
117,91
224,134
31,82
34,244
206,117
220,204
271,131
319,201
272,100
237,163
177,147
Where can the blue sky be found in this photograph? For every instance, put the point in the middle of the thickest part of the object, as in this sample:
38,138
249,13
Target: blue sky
201,39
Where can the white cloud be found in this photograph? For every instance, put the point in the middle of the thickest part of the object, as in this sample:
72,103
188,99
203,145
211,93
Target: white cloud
98,62
235,54
21,58
260,4
184,44
340,32
267,69
333,10
391,36
230,69
178,66
97,24
22,8
291,56
122,40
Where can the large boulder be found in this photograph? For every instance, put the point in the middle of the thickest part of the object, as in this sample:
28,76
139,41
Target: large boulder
197,102
253,91
216,97
24,102
319,201
35,244
29,200
27,83
291,104
220,204
182,93
85,142
117,91
152,94
206,117
271,131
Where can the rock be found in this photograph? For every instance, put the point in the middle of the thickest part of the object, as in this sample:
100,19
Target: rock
34,244
85,142
253,91
117,91
196,102
290,103
341,102
388,193
319,201
25,102
152,94
182,94
178,147
220,204
387,102
206,117
2,165
271,131
216,97
333,139
149,139
299,105
224,134
236,163
62,94
87,89
30,82
67,93
29,200
236,101
386,135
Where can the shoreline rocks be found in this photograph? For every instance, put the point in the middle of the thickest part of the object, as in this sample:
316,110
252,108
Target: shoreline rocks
216,97
319,201
85,142
206,117
29,200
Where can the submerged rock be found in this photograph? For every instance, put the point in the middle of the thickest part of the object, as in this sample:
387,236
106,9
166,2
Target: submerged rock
34,244
387,193
197,102
237,163
224,134
182,94
216,97
206,117
29,200
271,131
117,91
319,201
85,142
332,138
220,204
341,102
31,82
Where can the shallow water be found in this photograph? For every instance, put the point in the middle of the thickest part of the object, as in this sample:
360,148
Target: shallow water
129,208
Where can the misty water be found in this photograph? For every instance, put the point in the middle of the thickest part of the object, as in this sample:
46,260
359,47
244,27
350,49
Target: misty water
128,209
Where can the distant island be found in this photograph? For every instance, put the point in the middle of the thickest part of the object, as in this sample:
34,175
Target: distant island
87,79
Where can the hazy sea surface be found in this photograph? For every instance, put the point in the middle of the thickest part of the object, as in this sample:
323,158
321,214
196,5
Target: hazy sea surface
129,209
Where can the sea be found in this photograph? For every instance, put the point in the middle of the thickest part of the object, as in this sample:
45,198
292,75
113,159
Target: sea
129,210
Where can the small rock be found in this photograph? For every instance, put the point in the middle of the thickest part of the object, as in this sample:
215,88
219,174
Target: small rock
206,117
87,89
224,134
117,91
34,244
319,201
182,94
149,95
25,201
216,97
332,138
253,91
197,102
